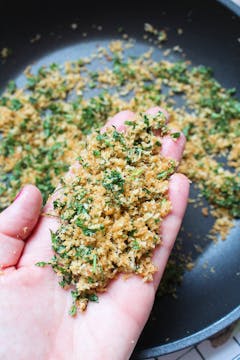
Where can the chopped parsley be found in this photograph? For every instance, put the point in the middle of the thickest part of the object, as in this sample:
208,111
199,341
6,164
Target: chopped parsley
113,181
93,297
73,310
176,135
41,263
15,104
11,87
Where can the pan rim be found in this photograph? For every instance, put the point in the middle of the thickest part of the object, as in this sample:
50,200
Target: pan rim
190,340
231,6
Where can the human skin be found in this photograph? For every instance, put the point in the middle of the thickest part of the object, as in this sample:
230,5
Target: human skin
34,320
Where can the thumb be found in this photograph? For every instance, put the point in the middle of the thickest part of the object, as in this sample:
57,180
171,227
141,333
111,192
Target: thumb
16,224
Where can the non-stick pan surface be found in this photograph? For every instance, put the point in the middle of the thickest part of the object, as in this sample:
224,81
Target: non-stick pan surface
206,301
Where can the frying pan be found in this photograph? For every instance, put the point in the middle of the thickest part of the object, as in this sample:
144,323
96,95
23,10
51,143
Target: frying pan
206,301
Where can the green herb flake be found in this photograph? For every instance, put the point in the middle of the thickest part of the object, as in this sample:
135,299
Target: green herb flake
132,232
163,174
32,82
113,181
94,263
176,135
73,310
135,245
97,153
130,123
93,297
11,87
15,105
41,263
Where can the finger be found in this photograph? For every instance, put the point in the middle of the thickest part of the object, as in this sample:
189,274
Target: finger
178,195
39,247
17,223
156,109
19,218
118,121
171,148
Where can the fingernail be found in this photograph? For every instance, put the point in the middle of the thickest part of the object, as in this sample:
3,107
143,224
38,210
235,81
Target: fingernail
18,194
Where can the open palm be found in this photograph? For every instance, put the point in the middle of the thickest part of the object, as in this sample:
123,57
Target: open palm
34,320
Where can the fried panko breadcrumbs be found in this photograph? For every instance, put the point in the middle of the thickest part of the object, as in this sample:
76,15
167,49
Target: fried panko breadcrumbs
111,208
43,122
42,127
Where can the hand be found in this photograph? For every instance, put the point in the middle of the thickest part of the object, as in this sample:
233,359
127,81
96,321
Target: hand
34,320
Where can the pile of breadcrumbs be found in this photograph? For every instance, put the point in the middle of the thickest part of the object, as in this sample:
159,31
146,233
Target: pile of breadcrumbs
111,207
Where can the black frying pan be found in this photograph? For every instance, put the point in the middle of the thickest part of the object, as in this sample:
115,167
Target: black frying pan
207,302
